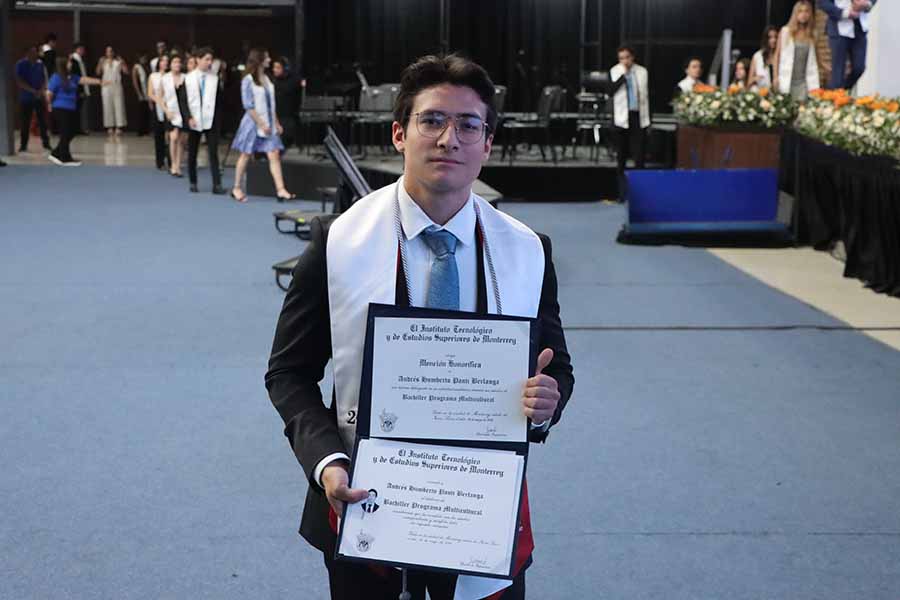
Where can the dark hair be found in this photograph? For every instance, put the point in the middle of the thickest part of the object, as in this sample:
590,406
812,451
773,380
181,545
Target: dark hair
626,48
281,60
374,490
30,47
746,63
172,58
203,51
78,44
255,58
51,37
764,42
432,70
688,62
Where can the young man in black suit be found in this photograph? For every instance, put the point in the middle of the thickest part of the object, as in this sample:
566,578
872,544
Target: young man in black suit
444,123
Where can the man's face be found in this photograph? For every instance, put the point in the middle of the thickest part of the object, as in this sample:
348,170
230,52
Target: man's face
108,52
443,164
626,59
372,496
695,69
277,69
160,48
80,50
205,62
31,54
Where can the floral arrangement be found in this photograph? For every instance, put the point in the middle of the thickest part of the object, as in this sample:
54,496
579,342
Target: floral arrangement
709,106
865,126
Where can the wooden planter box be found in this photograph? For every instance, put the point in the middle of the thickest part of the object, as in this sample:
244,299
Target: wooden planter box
717,148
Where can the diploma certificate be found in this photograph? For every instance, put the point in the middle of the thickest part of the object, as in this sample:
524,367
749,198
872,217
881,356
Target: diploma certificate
449,378
431,506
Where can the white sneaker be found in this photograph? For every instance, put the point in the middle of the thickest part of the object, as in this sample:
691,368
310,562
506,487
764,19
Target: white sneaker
72,163
55,160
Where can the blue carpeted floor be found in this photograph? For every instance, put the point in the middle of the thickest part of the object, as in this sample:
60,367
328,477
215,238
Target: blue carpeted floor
142,459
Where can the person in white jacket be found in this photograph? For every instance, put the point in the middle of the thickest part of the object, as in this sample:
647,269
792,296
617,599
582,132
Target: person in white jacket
201,86
763,61
796,64
631,110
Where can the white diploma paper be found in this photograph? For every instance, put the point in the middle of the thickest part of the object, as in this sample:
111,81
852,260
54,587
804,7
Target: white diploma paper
434,506
445,379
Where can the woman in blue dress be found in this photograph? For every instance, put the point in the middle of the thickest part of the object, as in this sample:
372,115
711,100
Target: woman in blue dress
259,130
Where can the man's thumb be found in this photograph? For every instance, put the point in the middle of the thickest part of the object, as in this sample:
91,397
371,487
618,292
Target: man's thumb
543,360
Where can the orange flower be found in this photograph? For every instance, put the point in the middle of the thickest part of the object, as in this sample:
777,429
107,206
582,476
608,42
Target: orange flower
733,89
818,93
764,92
702,88
878,105
841,101
865,100
893,107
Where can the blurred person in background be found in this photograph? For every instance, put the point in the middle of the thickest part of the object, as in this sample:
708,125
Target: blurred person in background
139,78
110,68
31,79
174,101
157,98
260,129
287,99
762,65
63,94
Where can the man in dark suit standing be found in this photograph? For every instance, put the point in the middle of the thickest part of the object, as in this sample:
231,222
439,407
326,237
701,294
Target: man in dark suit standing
425,240
847,29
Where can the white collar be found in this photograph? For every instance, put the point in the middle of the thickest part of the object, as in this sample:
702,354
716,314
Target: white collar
415,221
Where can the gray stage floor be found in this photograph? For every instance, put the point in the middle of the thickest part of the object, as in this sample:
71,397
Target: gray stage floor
721,442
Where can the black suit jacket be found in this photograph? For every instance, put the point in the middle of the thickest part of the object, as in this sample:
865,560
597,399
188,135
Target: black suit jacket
302,349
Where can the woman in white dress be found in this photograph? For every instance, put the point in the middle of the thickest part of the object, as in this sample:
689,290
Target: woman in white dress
110,68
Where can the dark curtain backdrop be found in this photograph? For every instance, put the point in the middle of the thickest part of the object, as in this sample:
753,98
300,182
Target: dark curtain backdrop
526,44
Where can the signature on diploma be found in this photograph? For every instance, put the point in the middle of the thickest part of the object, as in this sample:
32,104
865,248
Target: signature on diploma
474,563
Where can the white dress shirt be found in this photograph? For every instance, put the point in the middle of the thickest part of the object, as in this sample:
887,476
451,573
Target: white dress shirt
419,258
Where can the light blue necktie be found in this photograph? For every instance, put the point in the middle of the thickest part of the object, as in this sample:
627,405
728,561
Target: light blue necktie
443,289
202,89
632,92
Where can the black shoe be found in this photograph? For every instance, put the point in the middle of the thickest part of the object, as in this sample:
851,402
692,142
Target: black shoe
2,164
23,149
194,188
218,190
47,146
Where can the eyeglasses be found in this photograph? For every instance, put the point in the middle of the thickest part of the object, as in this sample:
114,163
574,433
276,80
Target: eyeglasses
432,124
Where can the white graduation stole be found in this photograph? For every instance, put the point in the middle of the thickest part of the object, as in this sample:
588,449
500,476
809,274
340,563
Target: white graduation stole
361,255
